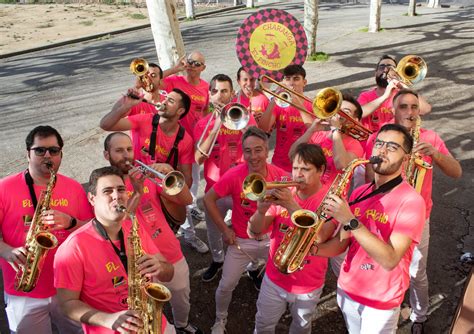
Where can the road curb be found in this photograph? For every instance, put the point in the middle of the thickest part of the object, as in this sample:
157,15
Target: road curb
109,33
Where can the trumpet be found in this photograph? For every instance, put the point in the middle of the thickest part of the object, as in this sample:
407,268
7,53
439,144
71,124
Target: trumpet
139,67
255,186
158,106
410,70
172,183
234,116
326,104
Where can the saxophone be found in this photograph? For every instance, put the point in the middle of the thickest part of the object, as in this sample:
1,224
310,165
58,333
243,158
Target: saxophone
145,297
299,238
38,241
416,167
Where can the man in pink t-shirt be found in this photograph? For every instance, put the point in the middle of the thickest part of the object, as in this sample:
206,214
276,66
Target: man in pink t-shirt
288,121
149,200
68,208
300,289
169,148
433,151
339,148
90,268
241,249
381,227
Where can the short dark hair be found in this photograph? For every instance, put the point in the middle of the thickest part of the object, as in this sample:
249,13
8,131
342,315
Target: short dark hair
220,78
253,131
294,70
185,101
351,99
101,172
311,154
42,131
109,138
404,91
239,71
158,67
407,138
386,57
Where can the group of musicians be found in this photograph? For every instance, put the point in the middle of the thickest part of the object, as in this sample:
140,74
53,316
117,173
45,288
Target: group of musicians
374,230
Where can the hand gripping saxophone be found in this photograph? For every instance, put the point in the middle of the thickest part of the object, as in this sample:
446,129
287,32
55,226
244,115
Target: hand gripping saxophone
299,238
416,167
38,241
145,297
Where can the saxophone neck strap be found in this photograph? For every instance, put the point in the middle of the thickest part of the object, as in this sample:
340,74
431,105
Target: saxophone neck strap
120,252
31,189
384,188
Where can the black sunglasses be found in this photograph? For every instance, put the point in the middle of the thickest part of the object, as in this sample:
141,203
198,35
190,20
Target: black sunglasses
41,151
194,63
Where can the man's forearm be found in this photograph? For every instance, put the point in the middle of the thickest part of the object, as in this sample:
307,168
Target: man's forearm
82,312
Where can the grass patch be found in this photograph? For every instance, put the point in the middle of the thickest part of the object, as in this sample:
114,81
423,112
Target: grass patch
319,56
416,14
366,29
138,16
46,25
86,23
7,1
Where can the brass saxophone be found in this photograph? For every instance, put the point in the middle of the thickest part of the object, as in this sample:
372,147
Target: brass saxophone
145,297
416,167
38,241
299,238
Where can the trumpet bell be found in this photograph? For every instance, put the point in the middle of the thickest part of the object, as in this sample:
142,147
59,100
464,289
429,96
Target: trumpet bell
139,67
234,116
411,69
327,103
254,187
173,183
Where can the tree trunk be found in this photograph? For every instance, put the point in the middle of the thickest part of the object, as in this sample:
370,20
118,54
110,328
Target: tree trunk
433,4
189,6
250,3
374,18
237,2
165,29
311,24
412,8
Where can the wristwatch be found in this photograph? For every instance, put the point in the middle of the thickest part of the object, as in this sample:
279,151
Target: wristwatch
352,225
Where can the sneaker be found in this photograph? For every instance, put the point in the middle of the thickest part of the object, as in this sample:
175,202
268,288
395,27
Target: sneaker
257,280
190,328
199,245
212,271
418,328
197,214
219,326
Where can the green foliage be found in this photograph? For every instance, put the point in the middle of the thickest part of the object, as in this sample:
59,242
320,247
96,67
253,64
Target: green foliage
7,1
138,16
318,56
364,29
86,23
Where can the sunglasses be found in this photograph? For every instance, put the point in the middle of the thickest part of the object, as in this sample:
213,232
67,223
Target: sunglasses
390,145
382,67
194,63
41,151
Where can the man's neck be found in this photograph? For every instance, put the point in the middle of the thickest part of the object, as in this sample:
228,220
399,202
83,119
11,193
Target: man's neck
262,171
193,79
38,177
168,126
382,179
111,227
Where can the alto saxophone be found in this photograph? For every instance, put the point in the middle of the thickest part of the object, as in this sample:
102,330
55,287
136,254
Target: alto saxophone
145,297
416,167
299,238
38,241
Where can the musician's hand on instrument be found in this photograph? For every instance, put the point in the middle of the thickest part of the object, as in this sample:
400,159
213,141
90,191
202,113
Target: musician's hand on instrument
284,198
55,220
137,179
162,168
149,265
14,256
181,65
263,206
425,149
127,321
229,236
338,208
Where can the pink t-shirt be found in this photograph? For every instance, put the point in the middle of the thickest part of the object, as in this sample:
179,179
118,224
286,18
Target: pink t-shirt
402,211
199,96
142,108
311,277
426,136
323,138
68,196
141,132
231,184
226,153
86,262
289,127
383,114
151,217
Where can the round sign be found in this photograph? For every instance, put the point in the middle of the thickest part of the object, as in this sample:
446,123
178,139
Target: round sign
268,41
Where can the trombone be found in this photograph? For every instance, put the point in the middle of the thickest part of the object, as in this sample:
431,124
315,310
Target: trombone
139,67
172,183
234,116
255,186
326,104
410,70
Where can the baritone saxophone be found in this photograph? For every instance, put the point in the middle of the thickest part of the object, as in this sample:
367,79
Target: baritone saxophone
145,297
299,238
38,241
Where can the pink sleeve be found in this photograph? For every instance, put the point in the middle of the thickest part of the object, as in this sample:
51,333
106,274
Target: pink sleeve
168,83
223,187
441,146
85,211
317,137
136,121
68,267
411,217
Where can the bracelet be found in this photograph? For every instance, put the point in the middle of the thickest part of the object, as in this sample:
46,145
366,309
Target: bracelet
73,223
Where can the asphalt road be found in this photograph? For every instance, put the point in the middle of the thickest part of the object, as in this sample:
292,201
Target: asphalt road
72,87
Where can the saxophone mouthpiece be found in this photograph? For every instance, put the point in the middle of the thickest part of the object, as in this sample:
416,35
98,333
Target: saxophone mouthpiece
375,160
121,208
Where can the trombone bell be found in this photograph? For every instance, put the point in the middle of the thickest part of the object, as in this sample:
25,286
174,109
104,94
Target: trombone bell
234,116
411,70
327,103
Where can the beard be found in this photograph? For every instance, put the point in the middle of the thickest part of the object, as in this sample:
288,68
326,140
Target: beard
387,168
123,164
381,81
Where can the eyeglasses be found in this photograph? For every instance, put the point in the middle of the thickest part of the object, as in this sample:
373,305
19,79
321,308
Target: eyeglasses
194,63
390,145
382,67
41,151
